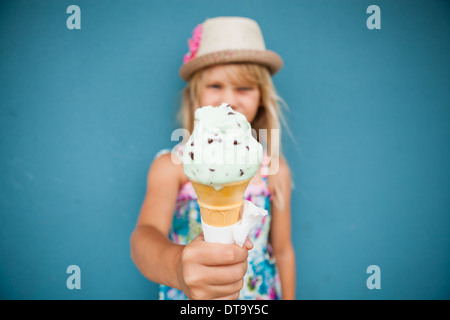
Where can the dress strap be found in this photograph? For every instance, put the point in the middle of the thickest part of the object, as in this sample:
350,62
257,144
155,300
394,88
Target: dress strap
162,152
177,150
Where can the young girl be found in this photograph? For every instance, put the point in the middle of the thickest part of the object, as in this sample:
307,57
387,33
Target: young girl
227,62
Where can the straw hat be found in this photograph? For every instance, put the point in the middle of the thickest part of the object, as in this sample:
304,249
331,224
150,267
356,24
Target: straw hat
228,40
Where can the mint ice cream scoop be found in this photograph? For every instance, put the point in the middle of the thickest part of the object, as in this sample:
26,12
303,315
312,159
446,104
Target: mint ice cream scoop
221,148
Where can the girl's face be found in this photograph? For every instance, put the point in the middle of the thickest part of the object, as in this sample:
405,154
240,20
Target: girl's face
219,87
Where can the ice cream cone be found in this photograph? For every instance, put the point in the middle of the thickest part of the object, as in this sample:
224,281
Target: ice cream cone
220,208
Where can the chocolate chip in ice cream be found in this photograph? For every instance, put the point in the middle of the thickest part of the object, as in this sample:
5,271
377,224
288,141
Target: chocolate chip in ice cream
225,149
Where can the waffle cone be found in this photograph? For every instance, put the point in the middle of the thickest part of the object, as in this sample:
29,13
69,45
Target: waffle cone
220,208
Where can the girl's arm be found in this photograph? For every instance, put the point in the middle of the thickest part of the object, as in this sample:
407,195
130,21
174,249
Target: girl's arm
280,232
151,250
202,270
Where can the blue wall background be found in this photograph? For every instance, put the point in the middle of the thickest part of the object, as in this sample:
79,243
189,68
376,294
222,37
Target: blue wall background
83,112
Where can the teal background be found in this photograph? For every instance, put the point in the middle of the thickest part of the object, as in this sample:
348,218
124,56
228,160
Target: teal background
83,112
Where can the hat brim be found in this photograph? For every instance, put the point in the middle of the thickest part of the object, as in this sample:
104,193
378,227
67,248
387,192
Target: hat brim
267,58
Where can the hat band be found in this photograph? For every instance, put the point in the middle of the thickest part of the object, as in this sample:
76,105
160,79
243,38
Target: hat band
267,58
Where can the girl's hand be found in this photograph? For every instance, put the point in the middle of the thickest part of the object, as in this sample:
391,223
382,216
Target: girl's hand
213,271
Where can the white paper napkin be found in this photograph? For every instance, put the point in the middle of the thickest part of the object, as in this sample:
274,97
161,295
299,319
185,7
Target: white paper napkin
238,232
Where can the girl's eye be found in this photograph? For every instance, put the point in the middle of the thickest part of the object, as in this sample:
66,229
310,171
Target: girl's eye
214,86
245,88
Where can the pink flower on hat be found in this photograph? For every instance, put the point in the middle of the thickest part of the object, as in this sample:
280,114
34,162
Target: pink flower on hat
193,43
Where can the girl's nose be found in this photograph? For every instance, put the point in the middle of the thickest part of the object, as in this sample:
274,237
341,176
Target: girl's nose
229,97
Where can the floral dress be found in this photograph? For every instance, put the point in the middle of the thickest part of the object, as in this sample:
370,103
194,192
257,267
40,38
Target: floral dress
262,279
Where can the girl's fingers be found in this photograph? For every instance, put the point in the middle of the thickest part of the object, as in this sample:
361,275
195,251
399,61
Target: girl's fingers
227,292
248,244
223,275
214,271
215,254
233,296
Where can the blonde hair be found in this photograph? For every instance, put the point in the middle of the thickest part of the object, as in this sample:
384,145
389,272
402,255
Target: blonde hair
268,116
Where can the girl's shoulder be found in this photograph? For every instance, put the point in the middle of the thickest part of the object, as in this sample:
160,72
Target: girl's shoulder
277,169
167,165
280,182
284,169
